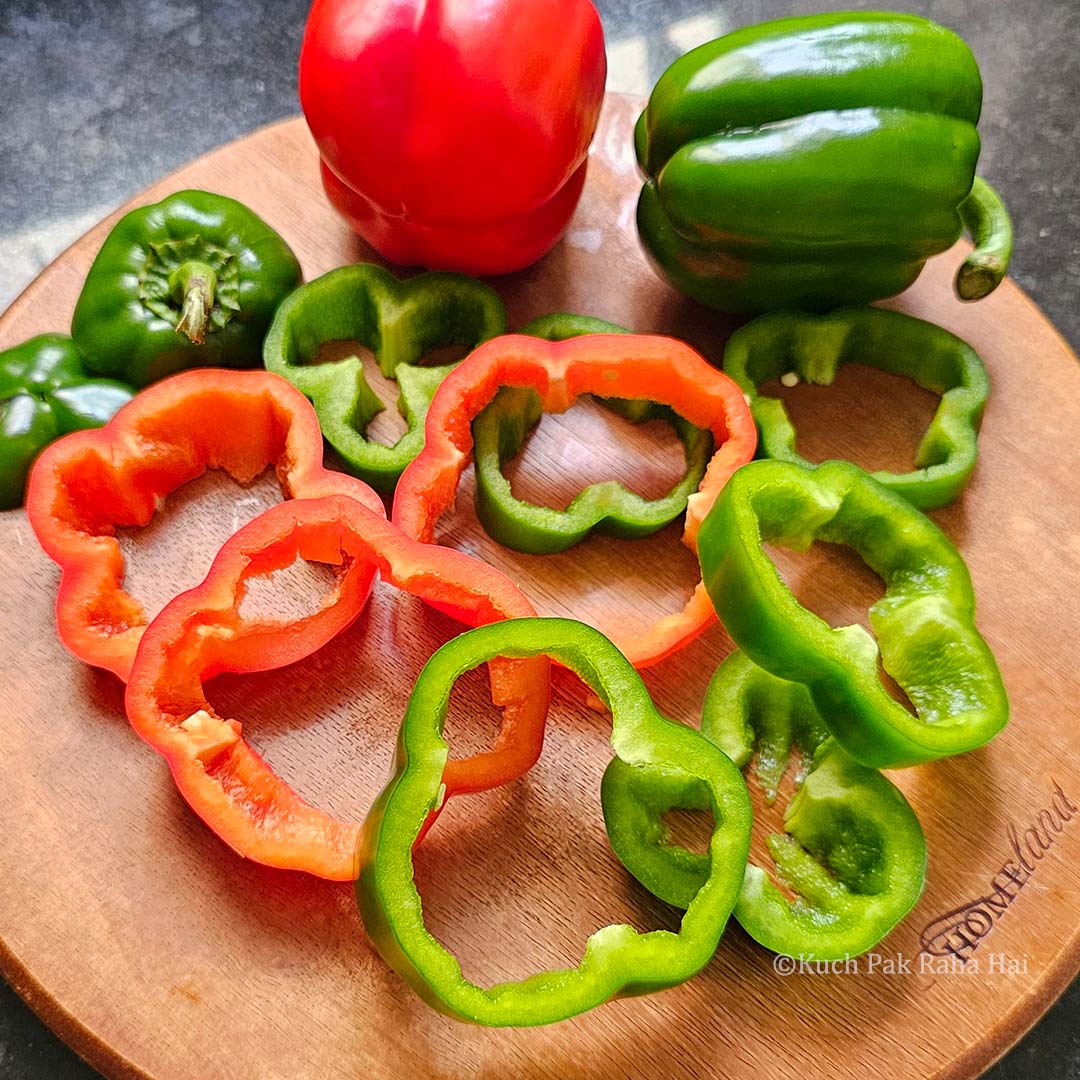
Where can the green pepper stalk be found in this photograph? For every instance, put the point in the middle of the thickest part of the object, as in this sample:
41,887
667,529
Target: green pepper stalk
852,850
193,284
987,220
618,960
924,624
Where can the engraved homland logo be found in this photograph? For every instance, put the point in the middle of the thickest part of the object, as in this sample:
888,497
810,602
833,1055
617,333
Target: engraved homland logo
958,933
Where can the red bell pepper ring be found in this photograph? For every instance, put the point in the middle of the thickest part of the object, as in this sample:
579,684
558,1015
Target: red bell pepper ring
88,484
202,632
635,366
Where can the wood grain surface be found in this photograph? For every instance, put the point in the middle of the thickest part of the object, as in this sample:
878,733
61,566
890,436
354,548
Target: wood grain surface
156,952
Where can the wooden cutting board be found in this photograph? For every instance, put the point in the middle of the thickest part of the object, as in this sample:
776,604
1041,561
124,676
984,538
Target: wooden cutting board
156,952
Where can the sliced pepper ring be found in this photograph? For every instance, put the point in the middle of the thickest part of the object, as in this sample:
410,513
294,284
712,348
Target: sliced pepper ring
202,633
561,325
499,433
853,851
500,430
815,346
399,321
618,960
90,483
924,624
630,366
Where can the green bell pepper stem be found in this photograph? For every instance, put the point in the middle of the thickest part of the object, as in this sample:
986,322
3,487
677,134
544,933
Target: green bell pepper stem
45,392
191,281
853,850
499,433
814,347
618,960
193,284
991,230
924,623
399,321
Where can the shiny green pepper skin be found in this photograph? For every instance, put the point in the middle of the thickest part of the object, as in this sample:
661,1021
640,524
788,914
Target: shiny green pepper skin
810,161
191,281
45,392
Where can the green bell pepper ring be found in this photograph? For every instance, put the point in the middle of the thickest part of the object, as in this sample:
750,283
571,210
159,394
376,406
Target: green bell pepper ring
499,433
45,392
618,960
191,281
924,623
853,850
399,321
813,347
561,326
815,161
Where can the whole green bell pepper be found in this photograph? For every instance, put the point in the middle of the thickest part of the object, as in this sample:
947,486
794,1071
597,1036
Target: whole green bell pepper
191,281
815,346
853,851
618,960
45,392
499,433
815,161
399,321
924,624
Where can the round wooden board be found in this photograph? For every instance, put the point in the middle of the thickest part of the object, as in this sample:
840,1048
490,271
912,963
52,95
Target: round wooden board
156,952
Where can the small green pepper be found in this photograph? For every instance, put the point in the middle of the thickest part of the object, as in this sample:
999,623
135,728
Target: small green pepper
815,346
45,392
925,622
500,430
854,852
191,281
399,321
618,960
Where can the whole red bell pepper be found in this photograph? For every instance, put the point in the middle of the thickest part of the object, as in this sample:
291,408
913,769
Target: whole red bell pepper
454,136
89,484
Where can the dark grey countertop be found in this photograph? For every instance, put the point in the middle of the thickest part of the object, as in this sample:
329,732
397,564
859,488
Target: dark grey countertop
102,97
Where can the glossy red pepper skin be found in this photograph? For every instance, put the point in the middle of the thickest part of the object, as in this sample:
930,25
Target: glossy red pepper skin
454,135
